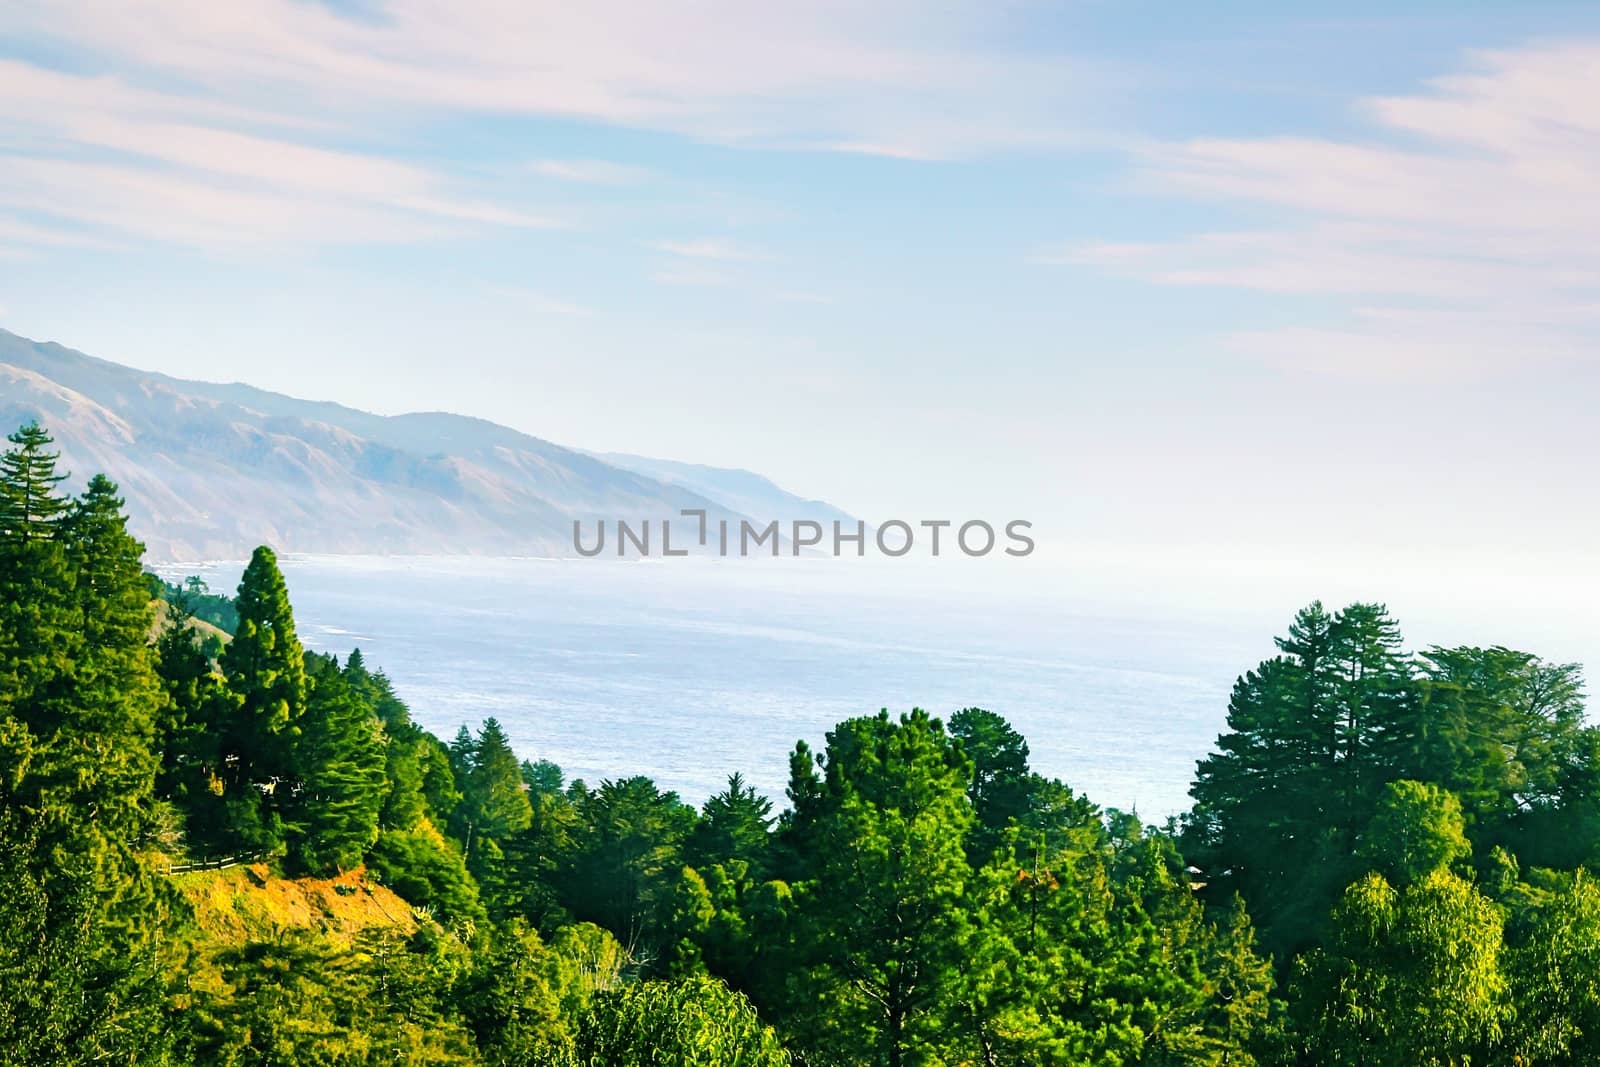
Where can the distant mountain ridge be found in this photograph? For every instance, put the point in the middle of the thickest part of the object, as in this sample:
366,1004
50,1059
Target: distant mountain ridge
210,470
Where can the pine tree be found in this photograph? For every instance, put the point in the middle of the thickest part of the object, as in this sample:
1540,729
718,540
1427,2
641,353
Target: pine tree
1002,786
264,666
108,742
1375,701
339,775
883,903
405,801
192,730
1312,737
629,856
39,620
463,754
735,824
493,793
31,509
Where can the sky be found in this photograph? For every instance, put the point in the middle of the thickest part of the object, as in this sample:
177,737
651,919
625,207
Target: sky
1307,289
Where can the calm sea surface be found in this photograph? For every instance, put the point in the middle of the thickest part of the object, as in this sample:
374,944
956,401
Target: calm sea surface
688,670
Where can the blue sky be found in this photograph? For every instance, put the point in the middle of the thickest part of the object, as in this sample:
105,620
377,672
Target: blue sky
1313,286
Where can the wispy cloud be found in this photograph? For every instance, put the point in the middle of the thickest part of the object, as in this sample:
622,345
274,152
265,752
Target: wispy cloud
96,152
591,171
1464,232
827,74
694,276
264,121
709,248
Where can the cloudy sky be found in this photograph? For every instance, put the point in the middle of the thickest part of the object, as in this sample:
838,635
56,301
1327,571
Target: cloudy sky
1313,284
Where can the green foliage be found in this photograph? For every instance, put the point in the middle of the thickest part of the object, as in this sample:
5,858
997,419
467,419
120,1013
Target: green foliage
191,734
1410,832
627,857
193,598
70,991
427,870
513,1003
1417,829
1554,968
1317,735
881,902
735,824
30,507
1002,787
264,666
39,616
693,1022
303,1001
1410,977
340,780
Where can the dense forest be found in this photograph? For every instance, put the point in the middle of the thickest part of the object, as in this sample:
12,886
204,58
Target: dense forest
1385,862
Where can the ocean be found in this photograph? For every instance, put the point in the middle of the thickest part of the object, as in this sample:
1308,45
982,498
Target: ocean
689,670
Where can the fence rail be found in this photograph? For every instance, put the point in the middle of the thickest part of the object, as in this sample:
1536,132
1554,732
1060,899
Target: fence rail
220,864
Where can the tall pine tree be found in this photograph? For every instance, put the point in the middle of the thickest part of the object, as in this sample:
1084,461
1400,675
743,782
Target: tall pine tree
39,634
108,744
265,669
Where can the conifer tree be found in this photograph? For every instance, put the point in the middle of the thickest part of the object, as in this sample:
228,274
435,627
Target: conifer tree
405,802
265,669
39,632
1002,786
495,802
629,856
108,742
192,730
883,904
31,507
735,824
339,775
1313,735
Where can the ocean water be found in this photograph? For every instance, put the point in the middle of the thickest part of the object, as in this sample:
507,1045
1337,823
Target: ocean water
688,670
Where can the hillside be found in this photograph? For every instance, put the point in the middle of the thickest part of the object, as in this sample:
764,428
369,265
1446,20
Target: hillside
247,903
211,470
203,630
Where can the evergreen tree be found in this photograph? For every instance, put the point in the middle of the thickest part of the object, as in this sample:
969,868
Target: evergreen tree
339,775
1503,730
31,508
1375,705
264,666
191,731
105,753
71,993
494,804
39,618
882,906
405,802
1002,786
735,824
628,858
1313,736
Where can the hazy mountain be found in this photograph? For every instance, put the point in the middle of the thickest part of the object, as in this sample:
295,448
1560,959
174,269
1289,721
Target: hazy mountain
211,470
738,490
